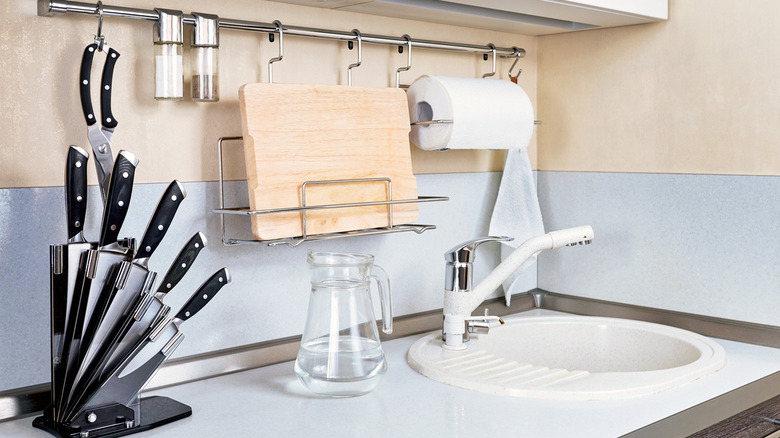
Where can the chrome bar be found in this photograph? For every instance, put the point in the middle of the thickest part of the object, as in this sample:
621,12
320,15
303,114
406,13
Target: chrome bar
55,7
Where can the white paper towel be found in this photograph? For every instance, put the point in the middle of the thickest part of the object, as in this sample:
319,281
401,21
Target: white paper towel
486,114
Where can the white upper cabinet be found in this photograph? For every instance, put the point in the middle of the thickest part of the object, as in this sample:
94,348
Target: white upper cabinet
528,17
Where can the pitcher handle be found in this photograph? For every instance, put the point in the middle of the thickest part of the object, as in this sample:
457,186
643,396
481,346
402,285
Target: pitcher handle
383,284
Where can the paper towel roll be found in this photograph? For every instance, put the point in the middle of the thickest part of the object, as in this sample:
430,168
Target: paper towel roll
486,113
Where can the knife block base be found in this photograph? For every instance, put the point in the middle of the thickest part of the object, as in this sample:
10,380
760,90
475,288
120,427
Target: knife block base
155,411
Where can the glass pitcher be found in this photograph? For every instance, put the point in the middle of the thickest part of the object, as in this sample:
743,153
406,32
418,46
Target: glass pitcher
340,354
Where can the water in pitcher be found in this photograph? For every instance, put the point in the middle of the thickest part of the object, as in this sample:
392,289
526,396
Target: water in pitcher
343,366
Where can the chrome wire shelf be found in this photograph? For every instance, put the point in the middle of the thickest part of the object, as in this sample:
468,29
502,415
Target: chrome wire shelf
305,237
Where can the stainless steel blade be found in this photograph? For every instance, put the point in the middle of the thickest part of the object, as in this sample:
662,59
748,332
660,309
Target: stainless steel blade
124,388
141,328
145,353
127,296
105,261
104,157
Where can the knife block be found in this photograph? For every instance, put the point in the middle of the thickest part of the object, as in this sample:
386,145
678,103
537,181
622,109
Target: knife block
146,414
109,420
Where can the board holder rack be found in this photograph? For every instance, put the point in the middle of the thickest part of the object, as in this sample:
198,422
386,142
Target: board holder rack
303,208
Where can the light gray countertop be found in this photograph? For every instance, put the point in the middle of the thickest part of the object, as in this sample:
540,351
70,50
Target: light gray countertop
270,401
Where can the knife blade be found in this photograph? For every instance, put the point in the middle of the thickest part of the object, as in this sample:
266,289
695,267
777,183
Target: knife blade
197,301
154,309
65,263
138,368
111,321
97,265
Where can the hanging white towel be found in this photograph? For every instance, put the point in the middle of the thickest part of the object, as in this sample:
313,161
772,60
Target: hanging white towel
516,212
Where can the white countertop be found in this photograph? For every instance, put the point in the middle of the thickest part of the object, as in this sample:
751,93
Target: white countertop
270,401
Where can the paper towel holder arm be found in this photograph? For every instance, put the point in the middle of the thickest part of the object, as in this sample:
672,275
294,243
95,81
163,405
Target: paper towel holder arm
493,52
445,122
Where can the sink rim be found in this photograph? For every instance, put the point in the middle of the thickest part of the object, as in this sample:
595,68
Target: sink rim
572,384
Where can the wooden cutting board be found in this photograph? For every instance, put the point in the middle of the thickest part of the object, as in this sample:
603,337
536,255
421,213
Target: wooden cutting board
295,133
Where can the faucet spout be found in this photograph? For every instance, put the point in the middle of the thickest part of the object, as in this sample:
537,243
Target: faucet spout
458,304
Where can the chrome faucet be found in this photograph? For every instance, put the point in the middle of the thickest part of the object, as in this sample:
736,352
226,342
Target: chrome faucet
460,299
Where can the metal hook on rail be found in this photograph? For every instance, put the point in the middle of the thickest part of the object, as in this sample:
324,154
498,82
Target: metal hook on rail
484,56
408,60
517,53
100,40
359,38
281,50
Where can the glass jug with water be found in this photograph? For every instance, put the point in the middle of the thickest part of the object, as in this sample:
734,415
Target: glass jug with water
340,353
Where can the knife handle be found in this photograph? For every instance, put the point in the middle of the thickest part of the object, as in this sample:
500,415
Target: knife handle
204,294
84,79
76,190
105,89
119,191
161,219
182,263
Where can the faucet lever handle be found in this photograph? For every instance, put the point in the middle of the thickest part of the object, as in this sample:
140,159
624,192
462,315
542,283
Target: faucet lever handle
459,262
464,252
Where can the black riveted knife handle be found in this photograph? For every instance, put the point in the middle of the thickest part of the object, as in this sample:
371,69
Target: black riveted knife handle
161,219
204,294
119,191
182,263
105,89
76,191
84,84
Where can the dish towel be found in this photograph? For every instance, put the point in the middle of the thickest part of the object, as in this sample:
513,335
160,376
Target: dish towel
485,114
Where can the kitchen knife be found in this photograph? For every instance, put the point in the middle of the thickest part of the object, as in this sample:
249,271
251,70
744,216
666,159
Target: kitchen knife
97,265
138,368
110,251
65,262
152,310
112,319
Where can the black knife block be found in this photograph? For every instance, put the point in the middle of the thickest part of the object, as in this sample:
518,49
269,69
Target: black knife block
113,420
154,411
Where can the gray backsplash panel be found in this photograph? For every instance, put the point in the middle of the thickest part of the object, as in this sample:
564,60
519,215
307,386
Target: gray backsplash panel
269,294
703,244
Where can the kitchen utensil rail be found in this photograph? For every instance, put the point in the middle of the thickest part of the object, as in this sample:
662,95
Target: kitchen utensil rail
54,7
303,208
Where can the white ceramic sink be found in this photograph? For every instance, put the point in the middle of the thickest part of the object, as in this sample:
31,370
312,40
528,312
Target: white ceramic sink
571,358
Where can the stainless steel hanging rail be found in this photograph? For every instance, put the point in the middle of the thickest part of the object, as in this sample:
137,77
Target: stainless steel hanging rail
55,7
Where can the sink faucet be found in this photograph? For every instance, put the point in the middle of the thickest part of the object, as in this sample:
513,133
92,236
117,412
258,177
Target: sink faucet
460,299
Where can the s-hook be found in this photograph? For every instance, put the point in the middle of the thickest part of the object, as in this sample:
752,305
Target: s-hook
484,56
408,61
517,53
100,40
359,38
281,50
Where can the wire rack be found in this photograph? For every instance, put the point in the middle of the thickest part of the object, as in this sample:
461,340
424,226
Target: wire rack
304,208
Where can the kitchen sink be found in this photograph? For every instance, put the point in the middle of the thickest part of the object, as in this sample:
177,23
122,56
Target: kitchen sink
571,358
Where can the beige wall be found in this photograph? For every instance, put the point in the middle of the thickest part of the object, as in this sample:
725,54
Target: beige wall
699,93
41,112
